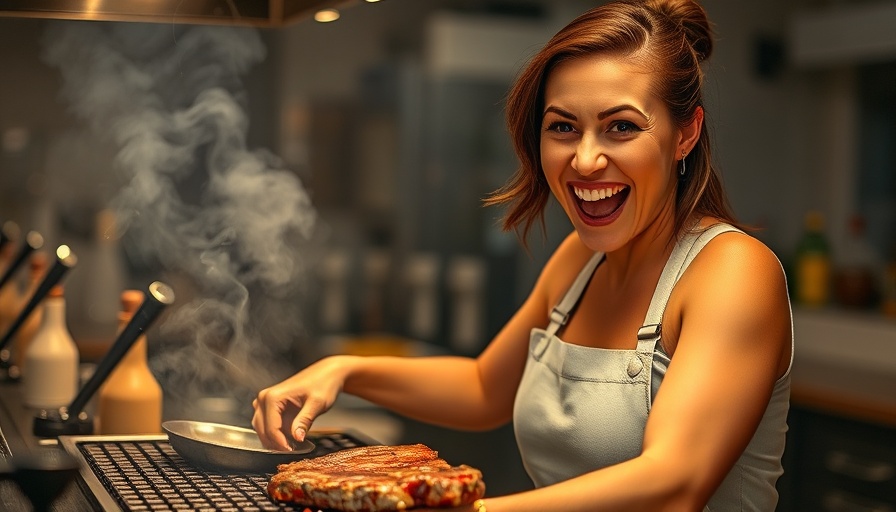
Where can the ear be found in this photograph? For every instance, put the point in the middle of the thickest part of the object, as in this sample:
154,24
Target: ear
690,133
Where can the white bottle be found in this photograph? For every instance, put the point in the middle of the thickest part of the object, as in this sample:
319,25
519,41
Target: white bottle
37,269
52,358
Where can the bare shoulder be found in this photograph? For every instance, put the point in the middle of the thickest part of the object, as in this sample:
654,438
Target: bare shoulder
736,285
737,270
734,257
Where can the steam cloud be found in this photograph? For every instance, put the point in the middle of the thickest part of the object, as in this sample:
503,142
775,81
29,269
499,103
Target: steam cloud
227,221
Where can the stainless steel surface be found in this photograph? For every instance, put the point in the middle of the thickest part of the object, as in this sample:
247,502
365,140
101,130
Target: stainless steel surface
144,472
42,476
94,487
226,447
232,12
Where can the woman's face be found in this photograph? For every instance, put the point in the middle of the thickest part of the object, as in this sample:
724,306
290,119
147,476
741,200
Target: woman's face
609,149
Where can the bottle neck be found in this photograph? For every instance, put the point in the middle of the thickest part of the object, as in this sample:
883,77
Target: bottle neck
54,312
136,355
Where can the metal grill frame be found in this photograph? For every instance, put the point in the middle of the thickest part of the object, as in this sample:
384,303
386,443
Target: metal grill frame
96,489
97,492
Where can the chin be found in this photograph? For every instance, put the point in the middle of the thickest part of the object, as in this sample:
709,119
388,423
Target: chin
608,241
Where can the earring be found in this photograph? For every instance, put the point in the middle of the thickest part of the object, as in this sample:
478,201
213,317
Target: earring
682,171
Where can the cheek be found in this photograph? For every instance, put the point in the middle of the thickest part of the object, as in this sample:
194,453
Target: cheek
552,166
645,167
553,160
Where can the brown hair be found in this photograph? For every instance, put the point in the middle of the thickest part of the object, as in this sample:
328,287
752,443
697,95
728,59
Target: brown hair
671,36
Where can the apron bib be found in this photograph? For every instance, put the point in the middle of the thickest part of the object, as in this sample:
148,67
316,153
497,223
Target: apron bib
579,409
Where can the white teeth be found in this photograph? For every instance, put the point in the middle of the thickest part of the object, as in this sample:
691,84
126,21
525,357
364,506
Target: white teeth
587,194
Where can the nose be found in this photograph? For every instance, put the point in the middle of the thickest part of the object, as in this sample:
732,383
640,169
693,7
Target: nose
589,157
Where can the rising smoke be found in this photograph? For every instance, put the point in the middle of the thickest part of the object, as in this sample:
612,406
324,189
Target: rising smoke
224,221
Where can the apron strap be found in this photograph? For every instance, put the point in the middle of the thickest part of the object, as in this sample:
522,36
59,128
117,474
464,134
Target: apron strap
560,313
684,252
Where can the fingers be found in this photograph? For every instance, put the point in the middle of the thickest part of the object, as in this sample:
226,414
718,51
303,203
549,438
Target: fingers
286,410
311,409
267,421
278,418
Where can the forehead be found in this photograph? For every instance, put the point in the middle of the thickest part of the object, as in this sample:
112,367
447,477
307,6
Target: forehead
601,80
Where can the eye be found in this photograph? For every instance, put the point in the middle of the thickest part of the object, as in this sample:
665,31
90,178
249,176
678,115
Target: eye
560,127
624,127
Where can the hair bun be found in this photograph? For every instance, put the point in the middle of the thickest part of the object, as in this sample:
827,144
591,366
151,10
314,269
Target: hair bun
692,18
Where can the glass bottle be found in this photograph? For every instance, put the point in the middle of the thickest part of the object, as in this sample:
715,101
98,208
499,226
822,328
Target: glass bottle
130,400
813,263
52,358
857,269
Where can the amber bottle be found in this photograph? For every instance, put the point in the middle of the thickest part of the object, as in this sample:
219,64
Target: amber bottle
130,400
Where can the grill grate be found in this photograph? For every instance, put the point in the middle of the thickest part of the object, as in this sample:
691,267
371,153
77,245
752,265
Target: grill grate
148,475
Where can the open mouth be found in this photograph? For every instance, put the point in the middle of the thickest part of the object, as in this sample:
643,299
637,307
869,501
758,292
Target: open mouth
600,206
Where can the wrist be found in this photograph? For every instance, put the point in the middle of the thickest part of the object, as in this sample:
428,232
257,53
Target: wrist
348,366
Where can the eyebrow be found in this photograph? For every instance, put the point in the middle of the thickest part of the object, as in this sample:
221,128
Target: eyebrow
619,108
559,111
601,115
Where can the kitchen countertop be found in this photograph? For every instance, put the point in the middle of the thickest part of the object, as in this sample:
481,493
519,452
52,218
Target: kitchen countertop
845,364
15,434
860,394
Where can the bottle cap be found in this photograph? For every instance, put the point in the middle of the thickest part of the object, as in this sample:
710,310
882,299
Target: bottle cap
37,263
130,301
814,220
56,291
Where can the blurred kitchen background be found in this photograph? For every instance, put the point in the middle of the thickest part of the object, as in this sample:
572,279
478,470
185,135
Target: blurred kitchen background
315,187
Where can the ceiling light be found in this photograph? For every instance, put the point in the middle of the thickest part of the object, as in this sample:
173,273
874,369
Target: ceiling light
326,15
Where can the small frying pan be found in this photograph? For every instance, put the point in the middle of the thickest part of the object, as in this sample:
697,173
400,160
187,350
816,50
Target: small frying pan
228,448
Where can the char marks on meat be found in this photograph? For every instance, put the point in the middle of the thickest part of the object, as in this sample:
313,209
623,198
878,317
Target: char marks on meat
377,479
370,458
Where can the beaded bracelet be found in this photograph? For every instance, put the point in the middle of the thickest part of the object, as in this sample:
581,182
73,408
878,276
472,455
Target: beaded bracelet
479,505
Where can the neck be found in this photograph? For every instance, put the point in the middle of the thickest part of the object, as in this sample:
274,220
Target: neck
647,251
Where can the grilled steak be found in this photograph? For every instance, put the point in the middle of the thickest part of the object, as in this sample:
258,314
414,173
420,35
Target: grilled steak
376,479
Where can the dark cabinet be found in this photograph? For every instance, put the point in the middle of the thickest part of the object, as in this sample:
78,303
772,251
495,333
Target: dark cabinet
838,464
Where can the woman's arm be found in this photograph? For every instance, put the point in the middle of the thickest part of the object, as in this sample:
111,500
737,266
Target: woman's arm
731,317
456,392
451,391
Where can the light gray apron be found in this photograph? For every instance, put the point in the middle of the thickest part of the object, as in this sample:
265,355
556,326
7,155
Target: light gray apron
579,409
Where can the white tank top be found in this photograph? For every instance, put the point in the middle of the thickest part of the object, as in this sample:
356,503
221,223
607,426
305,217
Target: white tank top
579,409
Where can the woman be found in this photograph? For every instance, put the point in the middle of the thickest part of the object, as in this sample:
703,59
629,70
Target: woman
649,367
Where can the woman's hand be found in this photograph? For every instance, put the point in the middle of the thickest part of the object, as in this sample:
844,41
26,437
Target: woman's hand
286,410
